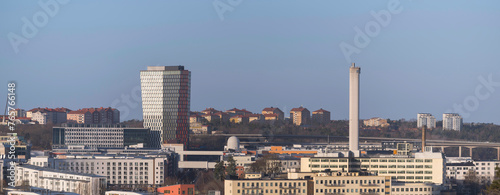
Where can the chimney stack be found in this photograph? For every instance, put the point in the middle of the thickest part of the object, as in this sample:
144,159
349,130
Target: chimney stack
423,139
354,107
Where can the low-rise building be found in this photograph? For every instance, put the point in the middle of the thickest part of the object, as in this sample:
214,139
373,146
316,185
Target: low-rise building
266,186
179,189
376,122
272,113
57,180
423,167
95,136
457,172
117,169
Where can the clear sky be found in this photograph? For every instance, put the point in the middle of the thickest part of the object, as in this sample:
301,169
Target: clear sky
429,56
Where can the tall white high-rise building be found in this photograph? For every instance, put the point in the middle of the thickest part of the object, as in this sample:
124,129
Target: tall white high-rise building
426,119
452,121
166,92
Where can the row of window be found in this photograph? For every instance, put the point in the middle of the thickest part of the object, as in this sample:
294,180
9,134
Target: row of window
256,184
371,160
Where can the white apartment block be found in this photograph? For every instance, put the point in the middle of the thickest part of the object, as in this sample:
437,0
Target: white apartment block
485,170
456,172
426,119
57,180
458,168
424,167
118,170
452,121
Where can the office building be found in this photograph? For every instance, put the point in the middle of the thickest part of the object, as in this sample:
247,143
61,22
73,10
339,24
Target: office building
57,180
166,93
452,121
300,116
127,170
321,116
98,136
426,119
426,167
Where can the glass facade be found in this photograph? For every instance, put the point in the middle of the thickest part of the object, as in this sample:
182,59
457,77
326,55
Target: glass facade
166,103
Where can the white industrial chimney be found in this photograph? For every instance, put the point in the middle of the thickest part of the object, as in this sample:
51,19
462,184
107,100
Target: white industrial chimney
354,108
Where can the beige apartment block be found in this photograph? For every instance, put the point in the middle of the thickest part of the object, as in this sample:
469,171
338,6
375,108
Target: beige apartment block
300,116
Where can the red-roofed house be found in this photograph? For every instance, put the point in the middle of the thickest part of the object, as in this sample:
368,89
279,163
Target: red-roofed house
236,111
272,113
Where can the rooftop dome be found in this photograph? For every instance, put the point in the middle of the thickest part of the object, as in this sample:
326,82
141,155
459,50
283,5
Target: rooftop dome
233,143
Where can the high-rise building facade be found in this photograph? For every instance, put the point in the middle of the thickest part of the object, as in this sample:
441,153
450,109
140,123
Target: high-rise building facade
452,121
426,119
300,116
166,92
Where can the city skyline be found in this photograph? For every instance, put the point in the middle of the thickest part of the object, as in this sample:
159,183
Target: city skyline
237,57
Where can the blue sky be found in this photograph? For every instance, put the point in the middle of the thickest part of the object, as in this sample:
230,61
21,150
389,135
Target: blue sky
282,53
